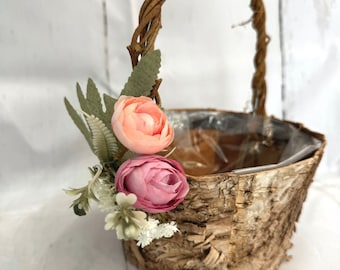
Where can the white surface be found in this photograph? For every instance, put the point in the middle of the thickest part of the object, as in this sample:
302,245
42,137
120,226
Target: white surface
46,46
312,56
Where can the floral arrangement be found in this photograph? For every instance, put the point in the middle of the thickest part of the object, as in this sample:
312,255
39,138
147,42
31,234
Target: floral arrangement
135,181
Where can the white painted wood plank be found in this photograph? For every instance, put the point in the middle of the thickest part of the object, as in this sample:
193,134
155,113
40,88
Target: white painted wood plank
51,39
312,52
203,55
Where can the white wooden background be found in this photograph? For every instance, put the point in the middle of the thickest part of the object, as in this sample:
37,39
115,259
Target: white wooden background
47,46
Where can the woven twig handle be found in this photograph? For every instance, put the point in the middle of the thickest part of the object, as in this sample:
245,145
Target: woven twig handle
143,41
258,82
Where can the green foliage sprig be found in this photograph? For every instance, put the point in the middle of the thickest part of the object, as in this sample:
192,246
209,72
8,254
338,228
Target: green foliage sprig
94,122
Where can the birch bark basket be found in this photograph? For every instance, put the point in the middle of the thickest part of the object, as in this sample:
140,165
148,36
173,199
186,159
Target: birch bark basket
232,218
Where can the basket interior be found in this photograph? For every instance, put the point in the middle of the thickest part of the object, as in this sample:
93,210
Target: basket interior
210,141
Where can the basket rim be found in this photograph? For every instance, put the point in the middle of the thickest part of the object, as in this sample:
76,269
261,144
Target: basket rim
316,155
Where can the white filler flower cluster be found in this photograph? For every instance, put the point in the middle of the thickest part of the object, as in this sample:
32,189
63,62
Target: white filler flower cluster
153,230
129,222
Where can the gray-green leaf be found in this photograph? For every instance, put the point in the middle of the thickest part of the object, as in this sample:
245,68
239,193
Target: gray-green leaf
109,105
144,75
82,100
77,119
92,103
105,145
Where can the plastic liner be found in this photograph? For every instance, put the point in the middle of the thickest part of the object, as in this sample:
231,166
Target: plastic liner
211,141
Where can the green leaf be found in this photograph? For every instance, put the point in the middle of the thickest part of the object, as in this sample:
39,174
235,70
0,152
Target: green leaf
77,119
91,104
94,102
105,145
82,100
109,105
144,75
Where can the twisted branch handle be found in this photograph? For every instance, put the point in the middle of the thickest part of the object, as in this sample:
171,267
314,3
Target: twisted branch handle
143,41
258,82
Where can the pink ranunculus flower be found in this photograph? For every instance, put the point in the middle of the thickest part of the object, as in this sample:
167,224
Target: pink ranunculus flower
159,183
140,125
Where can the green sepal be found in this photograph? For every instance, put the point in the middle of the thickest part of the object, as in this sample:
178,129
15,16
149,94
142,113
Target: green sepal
144,75
79,211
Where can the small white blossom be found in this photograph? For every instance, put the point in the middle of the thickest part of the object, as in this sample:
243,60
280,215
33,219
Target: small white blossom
153,230
126,200
167,229
125,219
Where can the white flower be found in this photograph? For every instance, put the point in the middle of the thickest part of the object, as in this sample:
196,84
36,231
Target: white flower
126,200
153,230
167,229
125,219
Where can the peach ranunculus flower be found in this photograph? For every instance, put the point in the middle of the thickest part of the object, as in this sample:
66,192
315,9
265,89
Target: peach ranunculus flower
140,125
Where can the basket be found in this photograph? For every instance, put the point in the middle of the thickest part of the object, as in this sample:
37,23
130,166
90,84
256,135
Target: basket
238,214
